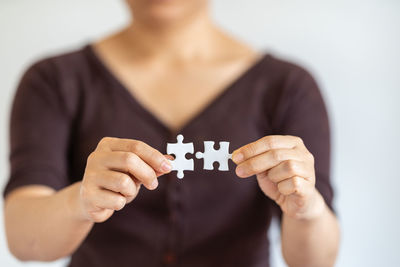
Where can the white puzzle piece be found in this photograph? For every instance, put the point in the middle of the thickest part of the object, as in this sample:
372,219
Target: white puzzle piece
211,155
180,149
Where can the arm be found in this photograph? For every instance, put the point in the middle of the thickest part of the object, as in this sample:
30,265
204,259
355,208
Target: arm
45,225
318,237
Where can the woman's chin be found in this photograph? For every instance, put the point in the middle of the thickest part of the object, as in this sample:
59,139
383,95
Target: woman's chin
167,15
166,11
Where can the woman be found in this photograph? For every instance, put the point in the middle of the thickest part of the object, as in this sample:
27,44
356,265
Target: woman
88,128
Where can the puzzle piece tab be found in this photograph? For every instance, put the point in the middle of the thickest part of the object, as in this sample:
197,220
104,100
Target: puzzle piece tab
211,155
180,149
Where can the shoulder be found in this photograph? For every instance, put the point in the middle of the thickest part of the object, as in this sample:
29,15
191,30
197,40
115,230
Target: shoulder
56,78
284,70
284,79
288,87
60,65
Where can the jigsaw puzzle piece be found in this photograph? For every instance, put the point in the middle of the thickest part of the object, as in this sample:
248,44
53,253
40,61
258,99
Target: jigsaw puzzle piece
180,149
210,155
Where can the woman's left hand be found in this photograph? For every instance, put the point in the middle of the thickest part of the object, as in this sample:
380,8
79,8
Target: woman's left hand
285,173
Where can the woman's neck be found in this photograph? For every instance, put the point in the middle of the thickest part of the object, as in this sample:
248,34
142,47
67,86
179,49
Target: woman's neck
194,38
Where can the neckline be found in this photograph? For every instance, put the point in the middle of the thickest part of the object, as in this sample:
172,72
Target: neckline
130,96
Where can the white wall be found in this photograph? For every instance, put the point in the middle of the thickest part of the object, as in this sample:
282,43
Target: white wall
351,46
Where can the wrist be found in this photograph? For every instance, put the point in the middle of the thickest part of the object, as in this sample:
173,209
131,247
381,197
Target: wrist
316,207
74,204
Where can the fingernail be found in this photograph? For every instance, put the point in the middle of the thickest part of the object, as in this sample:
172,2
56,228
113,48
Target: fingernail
237,157
166,166
154,184
240,171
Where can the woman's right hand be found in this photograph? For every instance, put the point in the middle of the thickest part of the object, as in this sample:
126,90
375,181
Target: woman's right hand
114,174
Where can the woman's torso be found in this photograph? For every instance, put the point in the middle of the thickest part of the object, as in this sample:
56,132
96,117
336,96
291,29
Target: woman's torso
210,218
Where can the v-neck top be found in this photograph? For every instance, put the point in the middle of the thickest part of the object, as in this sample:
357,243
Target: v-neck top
66,104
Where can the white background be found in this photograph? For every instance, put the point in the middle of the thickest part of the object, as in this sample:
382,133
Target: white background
351,46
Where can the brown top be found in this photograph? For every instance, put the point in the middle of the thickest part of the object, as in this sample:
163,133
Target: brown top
65,104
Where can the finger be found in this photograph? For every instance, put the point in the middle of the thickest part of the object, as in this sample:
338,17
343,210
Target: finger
138,185
104,159
107,199
294,185
169,157
287,169
118,182
128,162
263,145
267,186
151,156
265,161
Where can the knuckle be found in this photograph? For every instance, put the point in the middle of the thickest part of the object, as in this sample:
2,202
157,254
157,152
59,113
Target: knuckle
291,166
276,155
123,181
270,142
280,199
95,217
119,203
135,146
298,140
105,141
252,166
281,186
92,157
136,189
265,141
296,182
311,157
129,159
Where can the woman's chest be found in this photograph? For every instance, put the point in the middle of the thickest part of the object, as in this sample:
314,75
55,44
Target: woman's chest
107,109
176,93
